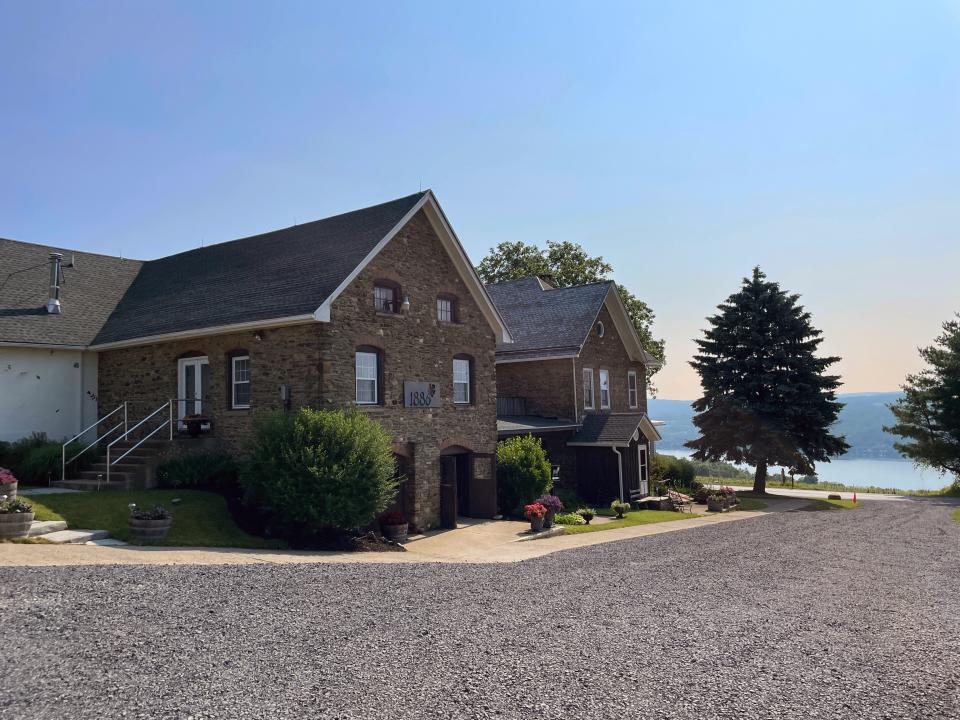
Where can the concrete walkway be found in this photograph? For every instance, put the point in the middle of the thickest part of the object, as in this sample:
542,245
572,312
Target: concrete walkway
475,542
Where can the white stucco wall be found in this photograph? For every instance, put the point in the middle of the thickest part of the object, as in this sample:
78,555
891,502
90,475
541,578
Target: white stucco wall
51,391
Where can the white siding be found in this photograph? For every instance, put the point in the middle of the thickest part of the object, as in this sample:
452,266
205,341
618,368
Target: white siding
51,391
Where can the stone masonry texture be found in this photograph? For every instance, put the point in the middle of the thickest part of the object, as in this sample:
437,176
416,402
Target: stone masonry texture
317,361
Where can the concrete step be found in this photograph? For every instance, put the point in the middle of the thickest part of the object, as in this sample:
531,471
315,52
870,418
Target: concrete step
87,484
44,527
115,475
109,542
75,537
126,467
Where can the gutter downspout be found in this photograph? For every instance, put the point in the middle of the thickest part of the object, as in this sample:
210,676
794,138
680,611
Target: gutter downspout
619,470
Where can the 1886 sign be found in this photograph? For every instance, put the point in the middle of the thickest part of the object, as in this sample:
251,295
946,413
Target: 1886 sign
421,394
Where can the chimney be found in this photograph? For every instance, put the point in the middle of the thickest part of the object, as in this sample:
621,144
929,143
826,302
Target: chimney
53,304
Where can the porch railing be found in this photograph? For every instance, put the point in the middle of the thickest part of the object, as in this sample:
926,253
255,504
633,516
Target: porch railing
509,406
100,438
167,422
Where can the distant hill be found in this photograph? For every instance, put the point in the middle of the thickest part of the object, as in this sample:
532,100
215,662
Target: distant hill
861,421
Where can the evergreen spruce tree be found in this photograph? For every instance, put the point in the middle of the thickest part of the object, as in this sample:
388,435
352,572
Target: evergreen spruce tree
928,414
766,397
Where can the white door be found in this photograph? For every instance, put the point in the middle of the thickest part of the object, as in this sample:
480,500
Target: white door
644,472
193,385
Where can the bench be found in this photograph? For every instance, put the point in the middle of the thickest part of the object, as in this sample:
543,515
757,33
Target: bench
679,502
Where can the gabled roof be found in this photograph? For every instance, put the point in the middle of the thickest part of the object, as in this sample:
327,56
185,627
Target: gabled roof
90,291
281,274
614,430
277,278
547,322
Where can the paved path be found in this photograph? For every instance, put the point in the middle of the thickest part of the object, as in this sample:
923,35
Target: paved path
478,542
791,616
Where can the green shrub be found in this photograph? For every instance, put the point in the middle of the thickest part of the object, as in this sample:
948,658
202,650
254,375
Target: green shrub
569,519
35,459
673,471
523,472
216,471
315,470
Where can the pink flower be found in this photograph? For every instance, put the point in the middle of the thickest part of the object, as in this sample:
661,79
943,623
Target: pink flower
6,477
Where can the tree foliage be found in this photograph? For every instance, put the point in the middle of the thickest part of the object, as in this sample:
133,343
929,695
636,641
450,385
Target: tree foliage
928,415
568,264
767,399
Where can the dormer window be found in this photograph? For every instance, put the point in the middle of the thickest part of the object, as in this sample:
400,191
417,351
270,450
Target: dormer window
386,298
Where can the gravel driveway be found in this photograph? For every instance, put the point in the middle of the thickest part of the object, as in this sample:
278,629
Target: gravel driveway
841,614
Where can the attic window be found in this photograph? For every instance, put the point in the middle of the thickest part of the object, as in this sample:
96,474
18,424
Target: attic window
599,329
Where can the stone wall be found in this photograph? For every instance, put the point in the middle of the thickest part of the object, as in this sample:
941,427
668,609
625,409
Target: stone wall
317,361
608,353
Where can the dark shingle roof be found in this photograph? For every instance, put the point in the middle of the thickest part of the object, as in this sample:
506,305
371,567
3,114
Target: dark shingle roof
544,322
608,429
89,292
278,274
514,424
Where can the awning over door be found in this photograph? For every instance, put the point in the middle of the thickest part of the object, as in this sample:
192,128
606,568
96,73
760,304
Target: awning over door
614,430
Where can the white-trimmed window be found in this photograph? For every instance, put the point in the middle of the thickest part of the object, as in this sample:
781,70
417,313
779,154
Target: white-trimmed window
385,299
632,387
446,311
461,381
240,382
588,388
604,389
367,373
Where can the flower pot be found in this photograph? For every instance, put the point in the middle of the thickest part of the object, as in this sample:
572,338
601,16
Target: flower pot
15,525
536,524
398,532
587,518
10,490
716,505
149,529
548,519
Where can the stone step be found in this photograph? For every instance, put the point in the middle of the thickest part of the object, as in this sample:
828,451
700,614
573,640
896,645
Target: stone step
87,484
44,527
101,468
115,475
75,537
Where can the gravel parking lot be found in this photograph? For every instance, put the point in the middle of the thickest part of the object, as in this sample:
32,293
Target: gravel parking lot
841,614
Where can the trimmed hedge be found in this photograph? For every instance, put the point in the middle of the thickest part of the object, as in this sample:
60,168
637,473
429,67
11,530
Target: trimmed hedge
523,472
314,471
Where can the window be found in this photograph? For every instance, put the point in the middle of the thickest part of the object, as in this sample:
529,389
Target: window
368,370
240,382
385,298
446,309
461,381
600,329
632,387
604,389
588,388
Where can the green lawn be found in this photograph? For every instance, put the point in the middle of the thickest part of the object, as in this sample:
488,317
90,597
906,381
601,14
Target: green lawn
750,504
636,517
956,515
201,518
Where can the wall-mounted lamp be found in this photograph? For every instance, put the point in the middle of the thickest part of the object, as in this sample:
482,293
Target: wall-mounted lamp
405,305
258,336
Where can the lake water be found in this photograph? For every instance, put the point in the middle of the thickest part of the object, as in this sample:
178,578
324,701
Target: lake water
881,473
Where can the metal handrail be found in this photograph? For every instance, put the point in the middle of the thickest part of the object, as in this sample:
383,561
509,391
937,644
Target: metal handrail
168,405
63,449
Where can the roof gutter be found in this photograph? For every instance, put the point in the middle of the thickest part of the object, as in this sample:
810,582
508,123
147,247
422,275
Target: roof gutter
201,332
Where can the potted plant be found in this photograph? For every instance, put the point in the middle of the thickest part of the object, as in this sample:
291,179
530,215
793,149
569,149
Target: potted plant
8,483
717,501
194,423
619,507
535,513
394,526
586,513
731,494
553,505
152,524
16,515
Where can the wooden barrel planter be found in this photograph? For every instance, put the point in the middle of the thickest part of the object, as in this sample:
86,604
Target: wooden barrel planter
397,532
149,529
15,525
716,505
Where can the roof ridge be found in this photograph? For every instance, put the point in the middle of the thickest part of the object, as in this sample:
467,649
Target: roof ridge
67,249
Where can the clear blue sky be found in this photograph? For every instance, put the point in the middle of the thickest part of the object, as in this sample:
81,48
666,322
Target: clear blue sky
684,141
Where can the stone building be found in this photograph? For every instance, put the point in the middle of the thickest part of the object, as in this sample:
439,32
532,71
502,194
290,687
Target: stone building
574,375
378,310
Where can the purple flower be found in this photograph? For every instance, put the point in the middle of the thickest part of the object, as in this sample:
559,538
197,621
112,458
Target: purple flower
551,502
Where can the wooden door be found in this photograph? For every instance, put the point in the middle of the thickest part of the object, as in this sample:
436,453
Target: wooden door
448,491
